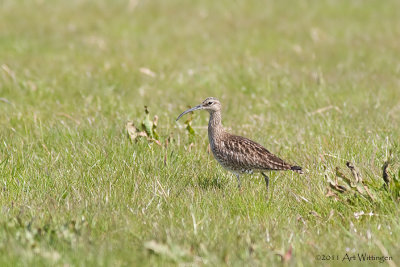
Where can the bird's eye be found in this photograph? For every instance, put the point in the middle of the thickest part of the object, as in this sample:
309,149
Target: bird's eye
209,103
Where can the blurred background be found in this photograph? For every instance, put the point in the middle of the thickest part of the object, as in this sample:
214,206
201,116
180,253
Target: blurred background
165,53
317,82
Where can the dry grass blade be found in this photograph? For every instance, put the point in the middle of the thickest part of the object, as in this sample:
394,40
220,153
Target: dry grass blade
340,174
322,110
68,117
384,252
337,187
9,72
172,252
354,172
362,188
330,193
148,72
355,185
158,248
5,100
369,193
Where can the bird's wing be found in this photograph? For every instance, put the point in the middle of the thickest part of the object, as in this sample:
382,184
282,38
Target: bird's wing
249,154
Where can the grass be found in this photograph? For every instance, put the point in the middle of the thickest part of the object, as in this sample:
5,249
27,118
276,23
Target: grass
76,191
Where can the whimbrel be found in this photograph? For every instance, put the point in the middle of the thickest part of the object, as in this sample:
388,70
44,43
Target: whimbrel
236,153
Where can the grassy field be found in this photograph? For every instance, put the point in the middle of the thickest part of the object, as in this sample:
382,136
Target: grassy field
316,82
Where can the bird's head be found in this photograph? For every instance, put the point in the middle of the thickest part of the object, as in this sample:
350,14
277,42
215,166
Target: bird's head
210,104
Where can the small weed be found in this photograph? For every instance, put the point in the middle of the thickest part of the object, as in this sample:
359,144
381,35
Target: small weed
147,129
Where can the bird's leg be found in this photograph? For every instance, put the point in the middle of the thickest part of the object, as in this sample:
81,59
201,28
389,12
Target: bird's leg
239,183
266,180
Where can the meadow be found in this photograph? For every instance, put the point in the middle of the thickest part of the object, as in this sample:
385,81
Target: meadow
316,82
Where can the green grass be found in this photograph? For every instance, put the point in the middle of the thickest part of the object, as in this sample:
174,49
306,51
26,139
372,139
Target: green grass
76,191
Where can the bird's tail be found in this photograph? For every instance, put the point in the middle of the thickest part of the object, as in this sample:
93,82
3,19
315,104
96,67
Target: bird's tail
297,169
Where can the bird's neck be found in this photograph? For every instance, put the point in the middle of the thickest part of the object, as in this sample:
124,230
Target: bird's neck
215,129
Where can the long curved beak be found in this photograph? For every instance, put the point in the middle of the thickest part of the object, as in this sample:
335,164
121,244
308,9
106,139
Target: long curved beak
190,110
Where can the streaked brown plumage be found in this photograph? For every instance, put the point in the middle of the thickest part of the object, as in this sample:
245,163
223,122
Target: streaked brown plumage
236,153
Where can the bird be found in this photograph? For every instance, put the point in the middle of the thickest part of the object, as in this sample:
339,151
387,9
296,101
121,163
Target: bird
238,154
